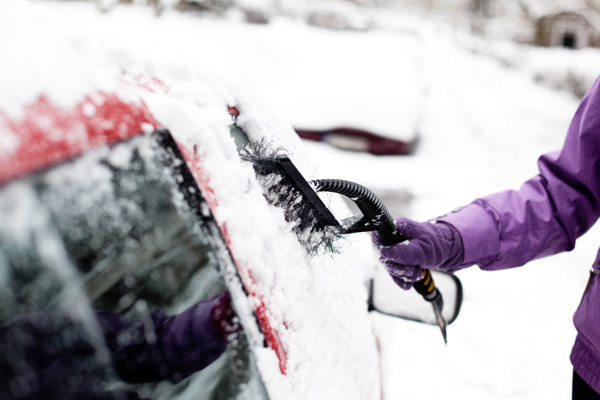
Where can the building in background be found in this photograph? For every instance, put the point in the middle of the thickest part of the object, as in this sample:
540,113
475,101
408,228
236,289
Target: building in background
572,24
569,29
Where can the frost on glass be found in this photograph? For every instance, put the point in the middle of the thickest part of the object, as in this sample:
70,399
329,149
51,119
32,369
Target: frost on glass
110,230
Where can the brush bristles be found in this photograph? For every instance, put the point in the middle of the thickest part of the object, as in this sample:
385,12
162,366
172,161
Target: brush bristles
280,190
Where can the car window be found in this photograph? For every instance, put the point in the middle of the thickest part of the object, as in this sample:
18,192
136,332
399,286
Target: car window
121,228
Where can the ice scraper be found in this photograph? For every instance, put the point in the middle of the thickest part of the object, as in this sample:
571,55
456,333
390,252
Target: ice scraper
315,225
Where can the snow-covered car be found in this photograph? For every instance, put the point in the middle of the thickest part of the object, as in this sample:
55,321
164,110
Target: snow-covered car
105,208
122,189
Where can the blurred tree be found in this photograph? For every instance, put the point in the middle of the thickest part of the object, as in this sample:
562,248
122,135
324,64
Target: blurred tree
593,4
481,7
214,6
524,8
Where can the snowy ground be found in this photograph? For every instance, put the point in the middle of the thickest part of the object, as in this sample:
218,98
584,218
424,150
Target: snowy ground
483,127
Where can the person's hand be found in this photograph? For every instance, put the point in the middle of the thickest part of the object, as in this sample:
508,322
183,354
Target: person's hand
224,318
428,245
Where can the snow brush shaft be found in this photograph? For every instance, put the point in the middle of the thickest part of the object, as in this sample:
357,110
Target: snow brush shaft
426,288
377,218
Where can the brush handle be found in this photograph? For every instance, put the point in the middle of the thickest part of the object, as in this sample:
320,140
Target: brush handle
376,216
380,220
426,287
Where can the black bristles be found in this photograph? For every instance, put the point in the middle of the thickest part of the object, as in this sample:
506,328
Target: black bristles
285,188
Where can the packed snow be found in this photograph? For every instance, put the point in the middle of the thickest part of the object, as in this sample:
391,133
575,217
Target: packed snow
482,123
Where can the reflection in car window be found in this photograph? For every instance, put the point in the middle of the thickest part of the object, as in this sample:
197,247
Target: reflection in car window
112,230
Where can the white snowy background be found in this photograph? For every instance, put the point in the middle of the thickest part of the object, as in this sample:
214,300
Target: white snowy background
482,121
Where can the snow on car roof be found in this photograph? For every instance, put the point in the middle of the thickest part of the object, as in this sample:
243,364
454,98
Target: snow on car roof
316,304
39,60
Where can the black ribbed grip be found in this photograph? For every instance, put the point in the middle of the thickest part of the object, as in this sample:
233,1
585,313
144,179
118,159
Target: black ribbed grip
368,203
374,210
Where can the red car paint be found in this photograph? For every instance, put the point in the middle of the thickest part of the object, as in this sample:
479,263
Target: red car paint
233,111
48,134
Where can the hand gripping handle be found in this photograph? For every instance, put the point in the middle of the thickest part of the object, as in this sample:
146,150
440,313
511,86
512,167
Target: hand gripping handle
377,218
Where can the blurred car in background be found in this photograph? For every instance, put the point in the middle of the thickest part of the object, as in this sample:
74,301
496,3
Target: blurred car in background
354,139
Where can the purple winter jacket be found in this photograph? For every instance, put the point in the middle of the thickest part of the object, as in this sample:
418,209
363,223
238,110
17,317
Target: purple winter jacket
545,216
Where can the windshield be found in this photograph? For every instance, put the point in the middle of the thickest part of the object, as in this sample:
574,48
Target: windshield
121,229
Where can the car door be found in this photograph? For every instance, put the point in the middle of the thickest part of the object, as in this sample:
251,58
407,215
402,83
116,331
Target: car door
122,227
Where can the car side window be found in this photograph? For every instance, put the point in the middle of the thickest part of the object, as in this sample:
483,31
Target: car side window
113,230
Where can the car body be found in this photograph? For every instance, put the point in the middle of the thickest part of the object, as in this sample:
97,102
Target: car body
122,189
132,185
97,169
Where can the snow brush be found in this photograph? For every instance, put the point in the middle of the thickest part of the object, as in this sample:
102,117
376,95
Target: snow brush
315,226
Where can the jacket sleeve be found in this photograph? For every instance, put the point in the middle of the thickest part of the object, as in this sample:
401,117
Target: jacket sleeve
163,347
549,212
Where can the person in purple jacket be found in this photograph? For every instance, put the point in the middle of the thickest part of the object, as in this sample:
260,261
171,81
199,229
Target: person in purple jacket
48,355
508,229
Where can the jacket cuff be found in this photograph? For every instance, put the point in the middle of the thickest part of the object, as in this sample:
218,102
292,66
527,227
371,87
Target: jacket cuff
478,229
